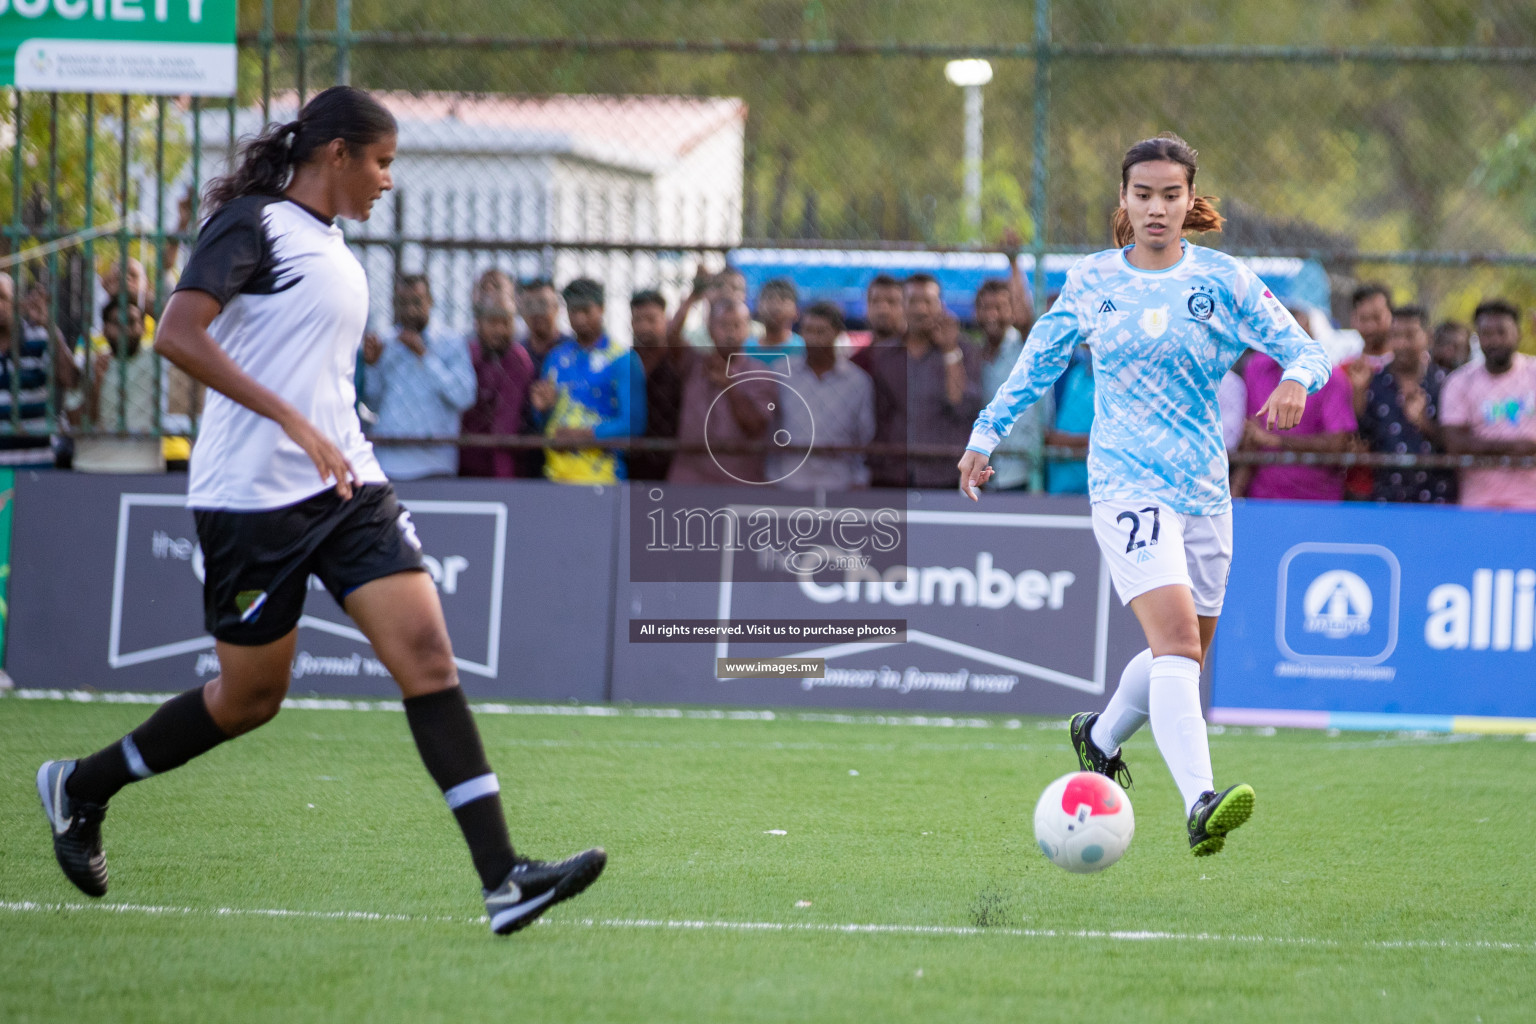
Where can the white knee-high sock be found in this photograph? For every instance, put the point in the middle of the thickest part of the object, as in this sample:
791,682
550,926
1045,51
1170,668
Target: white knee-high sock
1127,709
1177,725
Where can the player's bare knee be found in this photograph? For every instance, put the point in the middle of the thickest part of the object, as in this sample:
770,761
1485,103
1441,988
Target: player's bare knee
239,706
429,660
263,709
1178,644
434,675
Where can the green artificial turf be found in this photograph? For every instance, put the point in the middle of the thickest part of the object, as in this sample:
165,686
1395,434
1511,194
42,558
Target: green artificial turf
1366,852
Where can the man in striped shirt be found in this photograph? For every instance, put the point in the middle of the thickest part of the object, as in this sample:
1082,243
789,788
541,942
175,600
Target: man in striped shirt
25,422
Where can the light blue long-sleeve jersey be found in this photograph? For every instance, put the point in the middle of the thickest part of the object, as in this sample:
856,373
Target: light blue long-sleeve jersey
1161,342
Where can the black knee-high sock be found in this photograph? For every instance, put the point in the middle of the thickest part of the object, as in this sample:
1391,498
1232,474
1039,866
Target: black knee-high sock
450,747
179,730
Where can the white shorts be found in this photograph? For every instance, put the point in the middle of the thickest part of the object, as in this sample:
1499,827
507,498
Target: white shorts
1148,545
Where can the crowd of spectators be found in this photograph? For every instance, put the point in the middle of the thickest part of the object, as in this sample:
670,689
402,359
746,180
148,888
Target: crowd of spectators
1409,391
720,391
132,411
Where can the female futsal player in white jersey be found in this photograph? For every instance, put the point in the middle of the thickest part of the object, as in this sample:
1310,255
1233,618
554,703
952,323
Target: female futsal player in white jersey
1165,319
269,314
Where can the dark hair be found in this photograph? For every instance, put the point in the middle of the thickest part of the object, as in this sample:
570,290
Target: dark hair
882,281
1445,327
1497,307
730,271
829,312
921,279
490,274
404,281
267,160
485,310
534,284
1365,291
1202,214
582,292
648,297
992,286
1411,312
783,287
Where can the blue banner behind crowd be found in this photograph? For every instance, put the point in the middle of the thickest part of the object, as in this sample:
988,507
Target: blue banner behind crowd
1336,611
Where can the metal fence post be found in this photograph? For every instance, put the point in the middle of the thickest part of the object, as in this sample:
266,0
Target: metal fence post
88,284
124,297
1039,177
264,41
343,42
17,238
302,45
155,297
55,400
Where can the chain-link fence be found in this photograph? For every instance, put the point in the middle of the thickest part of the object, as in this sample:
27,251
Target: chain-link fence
638,145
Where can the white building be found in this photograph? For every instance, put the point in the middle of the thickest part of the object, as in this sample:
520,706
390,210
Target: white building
554,170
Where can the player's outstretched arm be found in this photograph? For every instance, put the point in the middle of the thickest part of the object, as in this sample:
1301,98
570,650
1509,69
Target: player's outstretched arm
1041,361
183,338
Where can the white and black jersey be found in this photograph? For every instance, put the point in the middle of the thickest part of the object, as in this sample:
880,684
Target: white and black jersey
295,306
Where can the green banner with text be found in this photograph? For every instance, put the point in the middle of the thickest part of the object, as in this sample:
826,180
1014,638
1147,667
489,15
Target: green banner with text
153,47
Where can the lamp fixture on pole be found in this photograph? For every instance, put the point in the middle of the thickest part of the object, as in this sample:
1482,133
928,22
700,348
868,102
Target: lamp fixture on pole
971,74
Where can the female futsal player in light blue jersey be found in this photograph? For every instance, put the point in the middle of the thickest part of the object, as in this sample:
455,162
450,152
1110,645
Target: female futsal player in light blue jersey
1164,319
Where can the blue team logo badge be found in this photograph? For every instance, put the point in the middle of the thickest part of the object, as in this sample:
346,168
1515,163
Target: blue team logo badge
1201,306
1338,603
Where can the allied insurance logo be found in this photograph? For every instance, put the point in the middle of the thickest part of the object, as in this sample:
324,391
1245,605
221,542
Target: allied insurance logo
1337,603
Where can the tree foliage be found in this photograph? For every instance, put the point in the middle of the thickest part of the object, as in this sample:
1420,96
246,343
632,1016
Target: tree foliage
1372,155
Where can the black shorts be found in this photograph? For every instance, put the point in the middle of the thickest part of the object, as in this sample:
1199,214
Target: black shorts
257,564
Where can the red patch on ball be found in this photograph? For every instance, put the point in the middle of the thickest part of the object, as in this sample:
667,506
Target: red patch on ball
1097,792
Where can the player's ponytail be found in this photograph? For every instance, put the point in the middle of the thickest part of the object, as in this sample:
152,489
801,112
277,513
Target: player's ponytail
1121,222
265,163
267,160
1202,214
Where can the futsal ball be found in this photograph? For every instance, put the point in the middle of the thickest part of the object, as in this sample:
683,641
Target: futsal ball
1084,822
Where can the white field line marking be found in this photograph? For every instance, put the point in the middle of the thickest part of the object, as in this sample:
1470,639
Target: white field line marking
649,924
1040,933
718,714
28,906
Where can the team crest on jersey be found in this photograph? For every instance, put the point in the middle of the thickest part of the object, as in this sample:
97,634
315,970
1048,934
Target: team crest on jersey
1155,320
250,603
1201,305
1106,306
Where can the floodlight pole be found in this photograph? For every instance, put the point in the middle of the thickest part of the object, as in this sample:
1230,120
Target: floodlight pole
971,74
973,161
